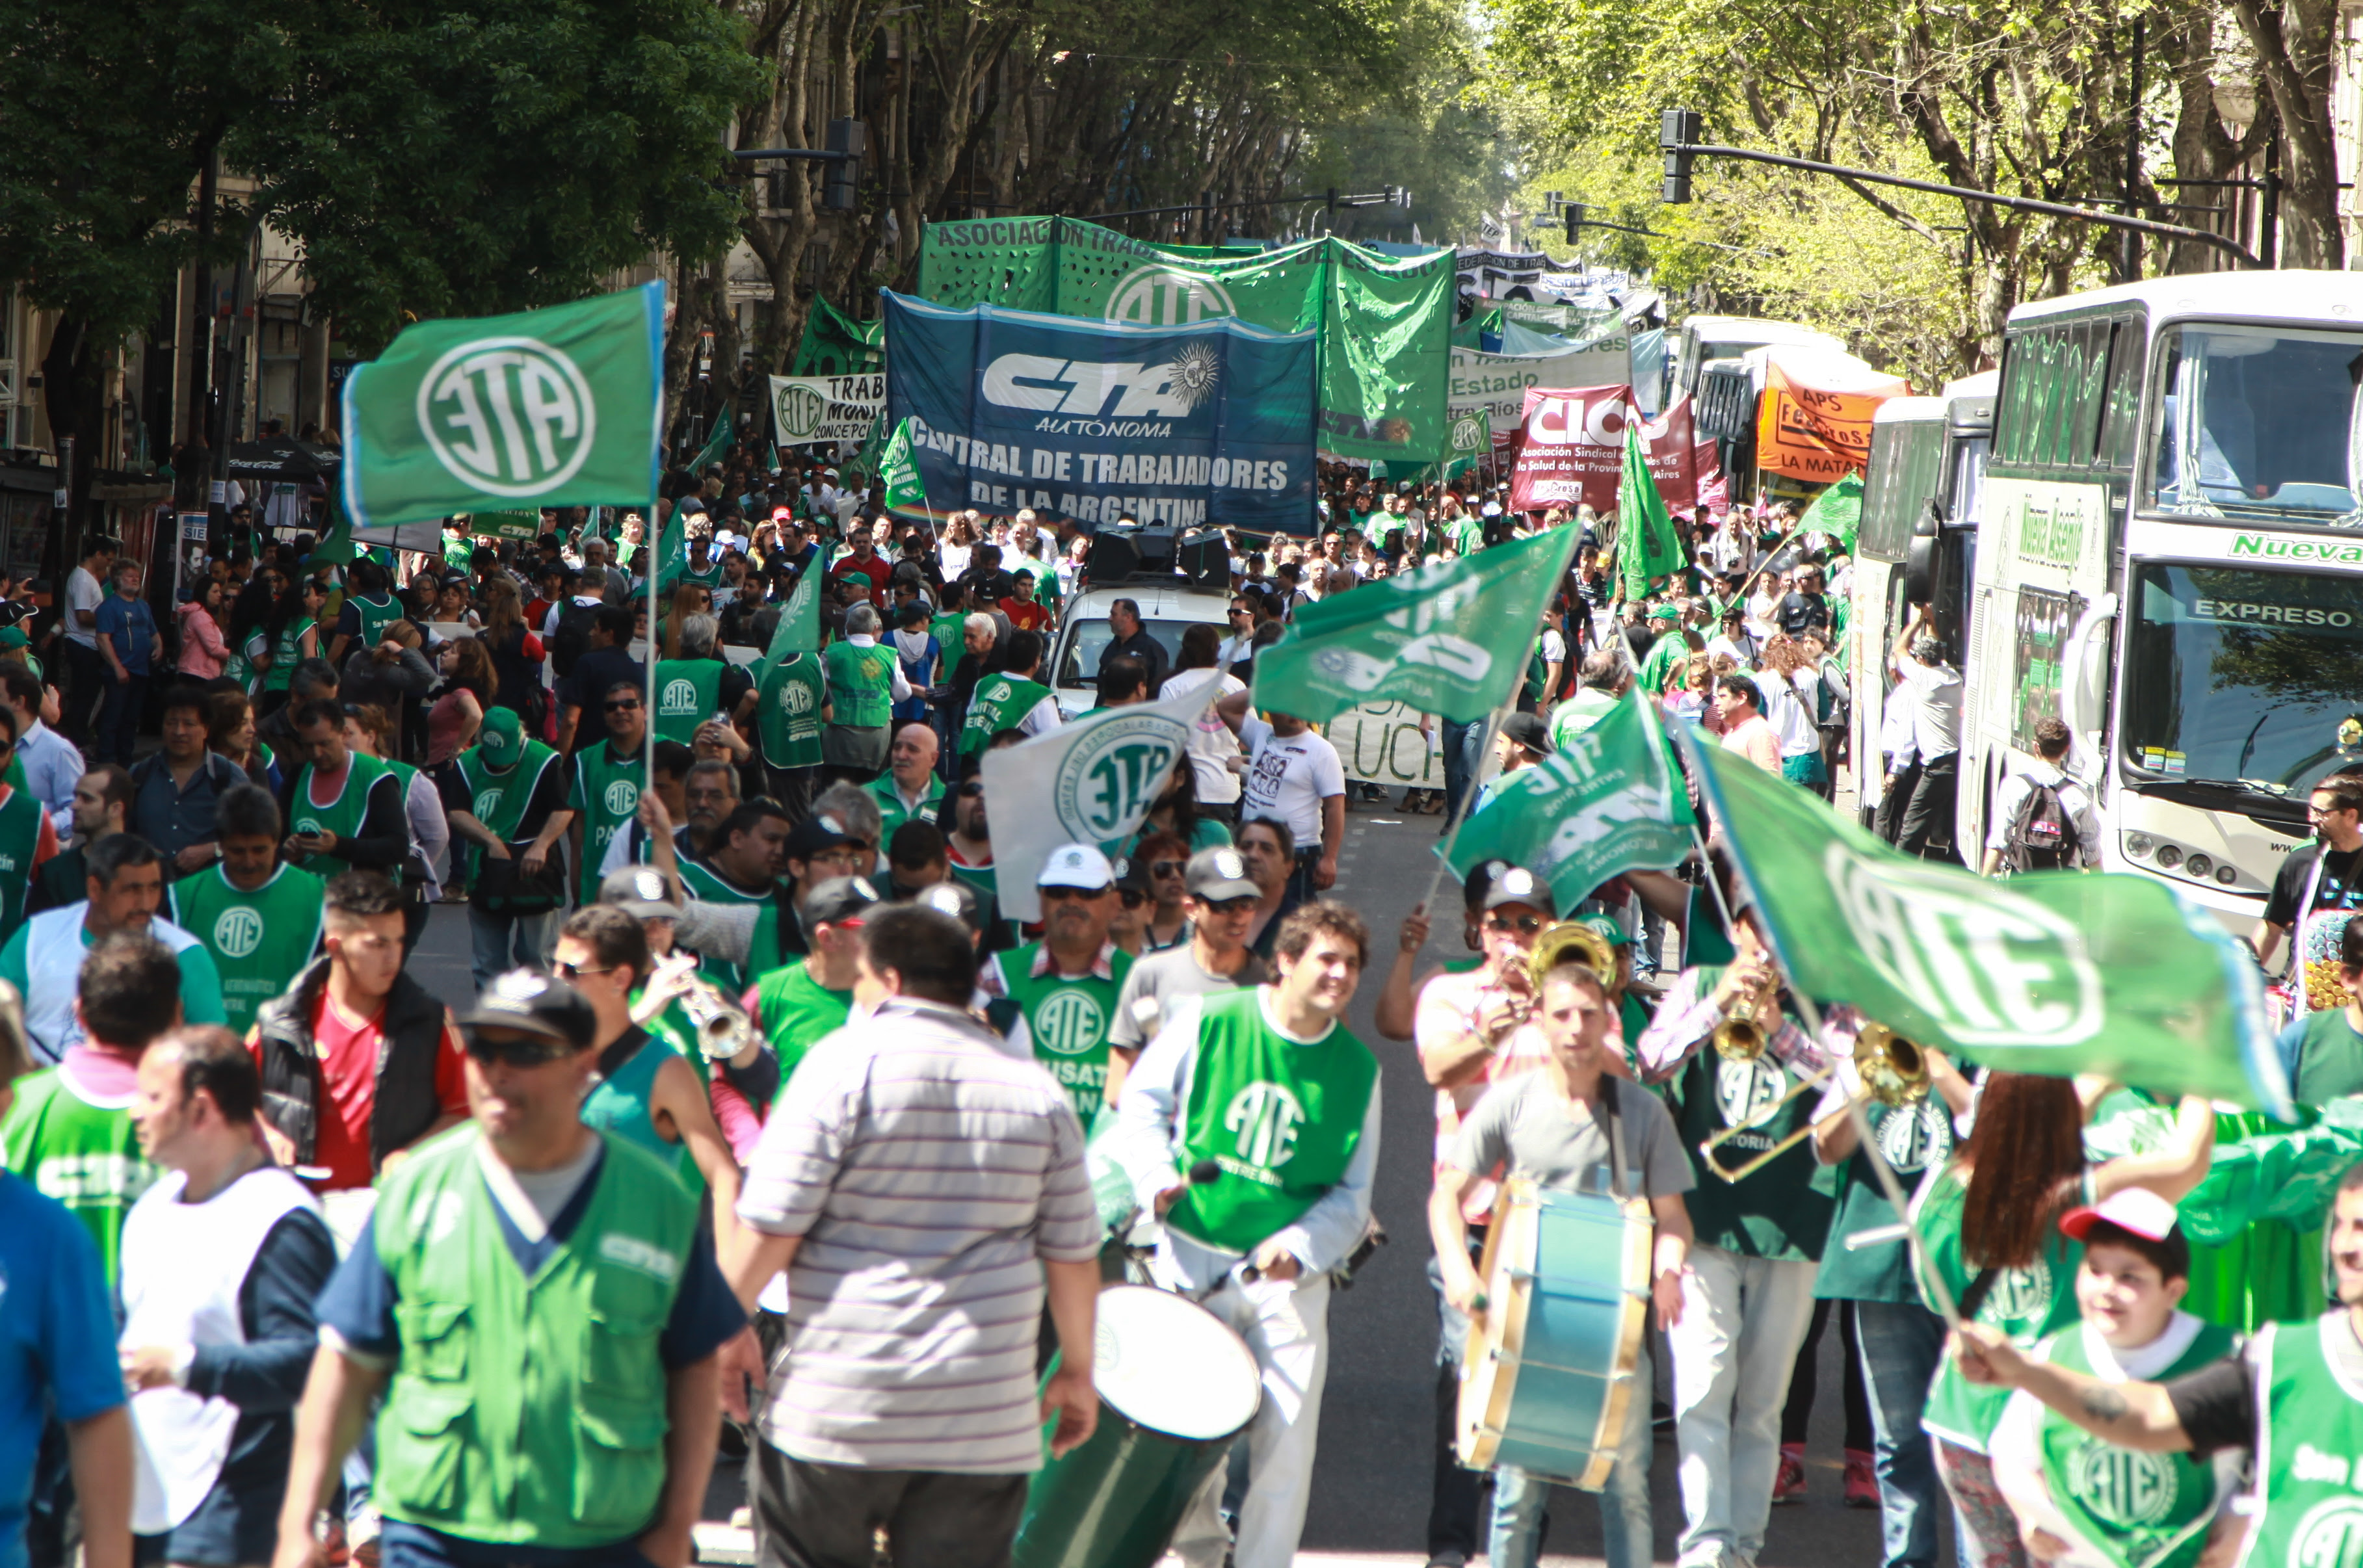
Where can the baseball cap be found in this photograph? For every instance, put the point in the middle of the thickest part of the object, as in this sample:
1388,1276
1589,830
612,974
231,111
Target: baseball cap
1132,877
840,901
955,898
534,1003
2133,1208
1217,875
1520,886
13,638
1664,613
1479,882
1527,730
502,739
639,891
1609,930
1076,866
816,833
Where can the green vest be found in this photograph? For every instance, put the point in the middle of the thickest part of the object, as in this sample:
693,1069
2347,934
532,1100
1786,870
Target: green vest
375,615
861,685
951,633
20,840
1069,1020
618,1105
2313,1443
787,711
1280,1120
605,794
707,887
1780,1211
499,800
2025,1303
687,692
460,550
260,940
891,812
1001,702
343,816
1914,1138
285,652
2138,1508
2329,1059
528,1411
793,1010
86,1156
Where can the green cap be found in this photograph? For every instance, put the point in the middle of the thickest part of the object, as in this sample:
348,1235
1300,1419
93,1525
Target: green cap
1664,613
1609,932
14,637
502,739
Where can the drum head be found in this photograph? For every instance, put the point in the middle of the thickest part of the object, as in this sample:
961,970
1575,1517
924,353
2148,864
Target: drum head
1170,1365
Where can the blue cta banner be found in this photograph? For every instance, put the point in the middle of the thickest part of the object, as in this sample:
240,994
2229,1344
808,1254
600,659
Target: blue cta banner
1202,426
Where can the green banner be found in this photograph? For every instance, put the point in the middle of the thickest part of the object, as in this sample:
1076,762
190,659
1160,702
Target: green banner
2056,972
555,407
900,470
1609,803
1837,511
834,344
1647,545
505,525
1384,323
1452,639
799,628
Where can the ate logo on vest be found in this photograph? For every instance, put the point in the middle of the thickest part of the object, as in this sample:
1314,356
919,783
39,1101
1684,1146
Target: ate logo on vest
1069,1022
488,803
307,825
1263,1119
1745,1091
1915,1137
511,416
621,799
1109,778
239,931
2122,1487
2330,1536
2019,1294
678,697
795,699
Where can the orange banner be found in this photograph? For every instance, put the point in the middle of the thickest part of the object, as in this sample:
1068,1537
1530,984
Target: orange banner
1811,433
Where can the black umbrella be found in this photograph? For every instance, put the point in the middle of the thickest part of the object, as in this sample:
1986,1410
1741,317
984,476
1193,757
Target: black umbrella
283,460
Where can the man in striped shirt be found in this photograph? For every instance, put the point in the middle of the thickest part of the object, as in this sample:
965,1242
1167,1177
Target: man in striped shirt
921,1189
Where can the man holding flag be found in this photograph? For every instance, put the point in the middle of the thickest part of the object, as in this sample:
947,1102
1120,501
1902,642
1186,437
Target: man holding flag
1649,550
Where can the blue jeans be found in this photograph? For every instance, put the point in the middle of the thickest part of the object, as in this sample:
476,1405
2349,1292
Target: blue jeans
1902,1342
503,942
1522,1502
1463,746
119,718
1457,1493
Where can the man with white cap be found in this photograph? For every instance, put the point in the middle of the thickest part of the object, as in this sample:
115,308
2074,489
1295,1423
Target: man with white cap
1220,902
1067,984
2083,1501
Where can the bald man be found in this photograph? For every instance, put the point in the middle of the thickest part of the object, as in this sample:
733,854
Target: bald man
910,787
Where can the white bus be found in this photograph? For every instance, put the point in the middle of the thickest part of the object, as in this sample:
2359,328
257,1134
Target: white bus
1915,545
2171,560
1703,340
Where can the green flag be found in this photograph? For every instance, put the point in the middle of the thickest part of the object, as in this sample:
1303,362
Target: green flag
904,489
1647,545
717,446
335,545
799,628
1610,803
2053,972
672,545
1451,639
1837,511
555,407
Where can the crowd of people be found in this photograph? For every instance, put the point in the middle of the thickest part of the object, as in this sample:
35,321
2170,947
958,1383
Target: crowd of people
768,1132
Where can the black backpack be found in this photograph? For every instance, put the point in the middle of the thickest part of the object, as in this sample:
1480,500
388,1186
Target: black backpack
2042,837
572,639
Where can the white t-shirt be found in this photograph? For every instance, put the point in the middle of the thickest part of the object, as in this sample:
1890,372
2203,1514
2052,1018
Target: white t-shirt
82,592
1288,777
1934,693
1213,747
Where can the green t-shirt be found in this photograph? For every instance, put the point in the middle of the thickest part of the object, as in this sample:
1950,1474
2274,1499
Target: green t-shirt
794,1011
1914,1138
79,1149
2329,1059
286,653
260,941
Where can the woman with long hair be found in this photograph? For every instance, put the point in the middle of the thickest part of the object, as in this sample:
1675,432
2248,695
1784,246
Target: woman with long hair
295,628
249,627
230,732
1991,1223
1164,924
204,651
376,732
516,653
470,684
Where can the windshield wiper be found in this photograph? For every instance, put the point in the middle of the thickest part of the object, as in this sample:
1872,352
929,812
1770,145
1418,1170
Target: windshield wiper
2260,799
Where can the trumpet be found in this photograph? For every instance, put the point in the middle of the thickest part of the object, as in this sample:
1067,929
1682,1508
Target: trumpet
1571,942
1893,1070
723,1030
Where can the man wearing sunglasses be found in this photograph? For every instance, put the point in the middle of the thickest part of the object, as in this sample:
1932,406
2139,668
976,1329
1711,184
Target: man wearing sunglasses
1473,1030
1067,984
541,1312
1221,904
604,792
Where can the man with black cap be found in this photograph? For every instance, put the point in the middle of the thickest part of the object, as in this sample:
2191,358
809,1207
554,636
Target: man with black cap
1473,1030
1220,902
1523,741
797,1003
540,1310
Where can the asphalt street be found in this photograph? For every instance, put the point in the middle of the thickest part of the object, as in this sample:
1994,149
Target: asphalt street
1373,1476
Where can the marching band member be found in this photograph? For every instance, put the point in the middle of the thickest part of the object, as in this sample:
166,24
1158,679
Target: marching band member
1554,1127
1267,1086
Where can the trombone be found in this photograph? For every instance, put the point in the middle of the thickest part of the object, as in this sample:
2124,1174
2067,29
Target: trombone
1893,1070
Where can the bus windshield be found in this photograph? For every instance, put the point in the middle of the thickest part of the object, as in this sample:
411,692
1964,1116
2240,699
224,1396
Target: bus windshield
2254,422
2247,678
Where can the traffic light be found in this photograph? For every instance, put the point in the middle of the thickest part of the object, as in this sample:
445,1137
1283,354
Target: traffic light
841,186
1573,212
1678,128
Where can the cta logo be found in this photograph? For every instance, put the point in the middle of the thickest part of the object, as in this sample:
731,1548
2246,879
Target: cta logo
509,415
1164,296
1263,1119
1994,970
1087,388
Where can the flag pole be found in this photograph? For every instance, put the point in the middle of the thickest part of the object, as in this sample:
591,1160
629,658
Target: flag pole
650,534
1884,1173
1468,803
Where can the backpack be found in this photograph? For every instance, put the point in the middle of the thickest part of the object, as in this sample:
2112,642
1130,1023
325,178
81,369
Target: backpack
573,638
2042,836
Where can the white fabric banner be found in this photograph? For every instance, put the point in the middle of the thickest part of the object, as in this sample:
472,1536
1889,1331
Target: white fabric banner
1494,385
1088,782
825,408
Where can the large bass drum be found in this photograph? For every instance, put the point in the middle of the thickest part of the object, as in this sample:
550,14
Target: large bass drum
1176,1386
1551,1355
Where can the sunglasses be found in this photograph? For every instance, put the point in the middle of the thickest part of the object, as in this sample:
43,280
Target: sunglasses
1230,906
1132,899
971,789
516,1050
1524,925
565,971
623,707
1165,868
1079,895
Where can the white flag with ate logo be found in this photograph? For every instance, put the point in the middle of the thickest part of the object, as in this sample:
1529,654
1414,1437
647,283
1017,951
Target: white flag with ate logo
1090,781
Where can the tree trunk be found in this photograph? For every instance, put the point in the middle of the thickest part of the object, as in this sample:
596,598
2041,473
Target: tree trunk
73,396
2293,40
